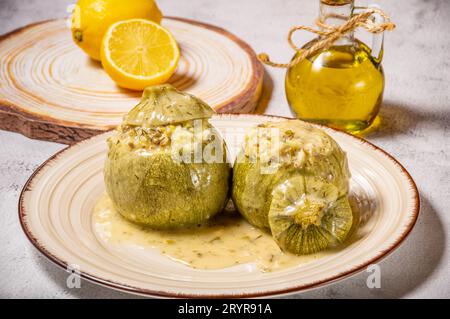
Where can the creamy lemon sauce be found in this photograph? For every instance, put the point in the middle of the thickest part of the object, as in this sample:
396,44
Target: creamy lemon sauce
227,241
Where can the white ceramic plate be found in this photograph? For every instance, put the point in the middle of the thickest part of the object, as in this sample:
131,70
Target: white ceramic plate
57,202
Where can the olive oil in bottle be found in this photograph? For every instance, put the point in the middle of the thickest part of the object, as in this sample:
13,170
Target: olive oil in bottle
342,86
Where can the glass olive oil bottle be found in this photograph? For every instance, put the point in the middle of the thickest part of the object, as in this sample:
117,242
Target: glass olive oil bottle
342,86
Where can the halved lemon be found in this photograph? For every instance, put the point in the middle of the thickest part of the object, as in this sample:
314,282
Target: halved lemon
138,53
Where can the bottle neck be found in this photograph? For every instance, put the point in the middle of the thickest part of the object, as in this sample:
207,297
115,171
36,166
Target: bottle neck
336,12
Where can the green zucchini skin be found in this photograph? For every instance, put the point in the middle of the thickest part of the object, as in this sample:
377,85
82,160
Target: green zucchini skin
322,160
147,184
161,193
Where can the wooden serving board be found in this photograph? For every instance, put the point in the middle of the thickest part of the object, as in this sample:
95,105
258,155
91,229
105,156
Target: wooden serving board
50,90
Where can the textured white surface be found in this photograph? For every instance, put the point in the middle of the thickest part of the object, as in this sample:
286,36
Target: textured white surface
415,129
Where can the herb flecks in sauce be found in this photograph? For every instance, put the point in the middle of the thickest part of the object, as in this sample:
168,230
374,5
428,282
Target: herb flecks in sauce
228,240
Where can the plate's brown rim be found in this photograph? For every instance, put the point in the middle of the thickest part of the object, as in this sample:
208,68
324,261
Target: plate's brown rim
36,125
272,293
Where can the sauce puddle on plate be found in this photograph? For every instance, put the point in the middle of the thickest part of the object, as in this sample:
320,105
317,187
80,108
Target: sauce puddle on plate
228,240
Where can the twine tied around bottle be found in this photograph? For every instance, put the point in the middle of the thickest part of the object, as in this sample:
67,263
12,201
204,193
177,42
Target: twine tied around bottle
330,34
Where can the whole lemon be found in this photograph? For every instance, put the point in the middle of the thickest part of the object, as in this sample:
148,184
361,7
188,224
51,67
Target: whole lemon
91,19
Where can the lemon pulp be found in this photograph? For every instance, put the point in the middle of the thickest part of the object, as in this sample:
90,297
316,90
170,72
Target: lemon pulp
138,53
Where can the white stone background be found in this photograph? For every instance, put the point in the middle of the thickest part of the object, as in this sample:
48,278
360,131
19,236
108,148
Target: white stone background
415,129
